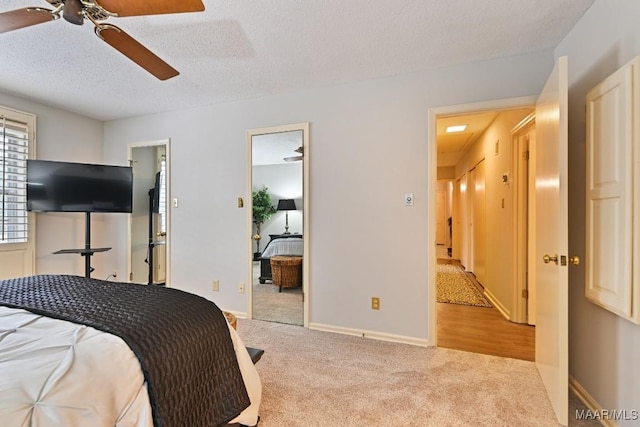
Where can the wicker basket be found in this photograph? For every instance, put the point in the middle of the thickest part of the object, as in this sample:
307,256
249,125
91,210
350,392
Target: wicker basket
286,271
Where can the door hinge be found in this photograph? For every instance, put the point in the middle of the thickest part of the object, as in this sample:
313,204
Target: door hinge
525,293
525,155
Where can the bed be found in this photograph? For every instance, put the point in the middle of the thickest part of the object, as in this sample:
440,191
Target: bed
80,351
284,244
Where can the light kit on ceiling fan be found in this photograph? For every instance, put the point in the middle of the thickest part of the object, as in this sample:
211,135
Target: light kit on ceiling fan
75,11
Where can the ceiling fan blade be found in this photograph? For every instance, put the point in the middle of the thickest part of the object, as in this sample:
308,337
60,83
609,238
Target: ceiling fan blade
293,158
135,51
20,18
150,7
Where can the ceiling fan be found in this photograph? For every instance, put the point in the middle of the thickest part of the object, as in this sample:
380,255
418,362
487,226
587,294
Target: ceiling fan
75,11
295,158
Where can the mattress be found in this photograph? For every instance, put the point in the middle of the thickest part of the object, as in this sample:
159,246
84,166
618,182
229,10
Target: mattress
288,246
58,373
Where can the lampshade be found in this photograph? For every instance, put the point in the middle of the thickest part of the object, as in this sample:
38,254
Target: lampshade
286,205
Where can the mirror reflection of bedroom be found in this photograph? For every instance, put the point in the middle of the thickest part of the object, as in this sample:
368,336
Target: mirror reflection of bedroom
277,190
148,224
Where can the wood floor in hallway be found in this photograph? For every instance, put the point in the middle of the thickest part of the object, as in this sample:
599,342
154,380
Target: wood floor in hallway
484,330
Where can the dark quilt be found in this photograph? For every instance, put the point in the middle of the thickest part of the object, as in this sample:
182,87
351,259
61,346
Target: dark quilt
181,340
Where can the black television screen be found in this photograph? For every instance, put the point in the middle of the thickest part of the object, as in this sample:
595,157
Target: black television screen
78,187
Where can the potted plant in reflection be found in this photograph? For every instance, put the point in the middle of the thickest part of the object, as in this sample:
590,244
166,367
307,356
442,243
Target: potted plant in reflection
262,211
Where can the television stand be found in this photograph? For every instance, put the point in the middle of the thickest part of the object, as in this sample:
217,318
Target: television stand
87,252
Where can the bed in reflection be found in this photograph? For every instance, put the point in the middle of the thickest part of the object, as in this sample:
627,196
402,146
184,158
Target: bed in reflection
283,244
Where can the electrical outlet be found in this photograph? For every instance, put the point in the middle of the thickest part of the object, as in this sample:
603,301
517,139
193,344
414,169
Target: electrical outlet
241,288
375,303
215,286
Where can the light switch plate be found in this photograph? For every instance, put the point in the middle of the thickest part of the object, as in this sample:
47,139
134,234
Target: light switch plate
408,199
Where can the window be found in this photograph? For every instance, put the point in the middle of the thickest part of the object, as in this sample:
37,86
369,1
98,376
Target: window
14,151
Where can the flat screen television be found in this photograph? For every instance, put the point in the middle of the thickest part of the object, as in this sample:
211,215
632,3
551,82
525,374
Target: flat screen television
78,187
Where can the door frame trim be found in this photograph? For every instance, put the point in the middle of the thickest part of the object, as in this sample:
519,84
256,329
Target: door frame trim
304,127
432,152
149,144
522,219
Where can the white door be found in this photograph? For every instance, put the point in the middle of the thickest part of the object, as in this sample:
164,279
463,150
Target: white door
551,239
441,218
471,194
524,137
610,180
480,224
460,226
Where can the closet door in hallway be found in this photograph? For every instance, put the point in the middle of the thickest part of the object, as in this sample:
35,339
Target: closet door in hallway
480,224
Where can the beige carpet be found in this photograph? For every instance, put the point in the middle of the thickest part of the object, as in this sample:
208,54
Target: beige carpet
313,378
455,287
273,306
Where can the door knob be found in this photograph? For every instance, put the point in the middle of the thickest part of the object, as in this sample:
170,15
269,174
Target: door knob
547,258
575,260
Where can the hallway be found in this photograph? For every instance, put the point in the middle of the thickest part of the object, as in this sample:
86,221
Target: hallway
482,330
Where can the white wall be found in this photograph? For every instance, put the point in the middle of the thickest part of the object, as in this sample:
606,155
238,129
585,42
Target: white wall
283,181
604,349
368,147
64,136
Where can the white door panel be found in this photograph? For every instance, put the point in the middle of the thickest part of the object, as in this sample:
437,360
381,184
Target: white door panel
480,224
471,194
441,218
461,225
551,237
608,260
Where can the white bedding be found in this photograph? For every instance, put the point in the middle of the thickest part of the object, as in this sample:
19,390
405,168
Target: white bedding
287,246
58,373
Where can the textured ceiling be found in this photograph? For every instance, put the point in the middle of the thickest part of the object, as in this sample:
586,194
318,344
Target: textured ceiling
240,49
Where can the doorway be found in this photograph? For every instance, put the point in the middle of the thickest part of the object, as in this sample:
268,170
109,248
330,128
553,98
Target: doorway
277,224
149,236
481,171
548,228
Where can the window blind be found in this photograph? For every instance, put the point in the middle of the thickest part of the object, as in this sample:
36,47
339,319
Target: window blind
14,151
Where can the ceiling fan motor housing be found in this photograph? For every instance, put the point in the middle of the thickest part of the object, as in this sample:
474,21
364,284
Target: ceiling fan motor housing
72,12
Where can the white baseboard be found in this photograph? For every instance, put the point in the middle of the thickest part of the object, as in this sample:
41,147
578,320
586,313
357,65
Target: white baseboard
589,402
370,334
497,304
